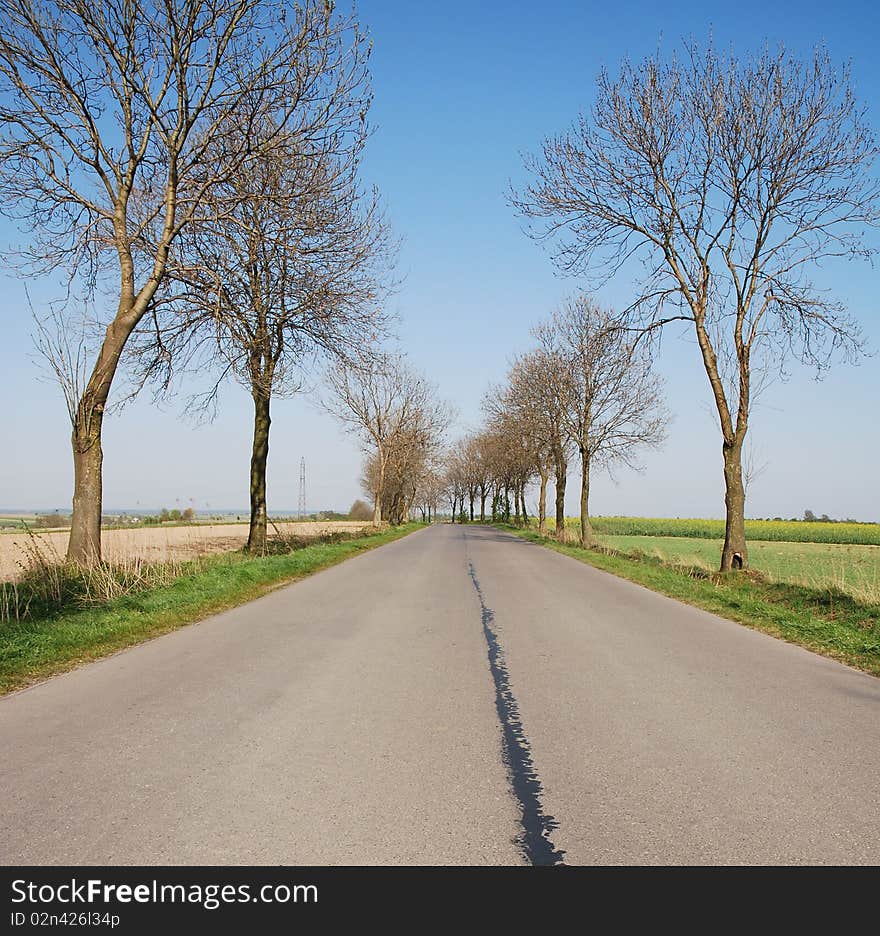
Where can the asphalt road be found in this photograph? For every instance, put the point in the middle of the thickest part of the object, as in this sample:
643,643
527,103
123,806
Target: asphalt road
456,697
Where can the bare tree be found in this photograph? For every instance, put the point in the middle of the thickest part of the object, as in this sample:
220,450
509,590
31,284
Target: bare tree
456,477
729,179
469,462
360,511
529,413
114,130
453,491
612,400
408,463
430,490
476,455
392,409
291,272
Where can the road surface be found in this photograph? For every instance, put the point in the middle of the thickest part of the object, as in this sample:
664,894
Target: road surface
459,696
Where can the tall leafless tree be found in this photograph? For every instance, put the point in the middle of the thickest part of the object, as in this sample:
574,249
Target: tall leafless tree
293,271
612,399
476,455
730,178
409,462
530,410
115,132
430,490
394,411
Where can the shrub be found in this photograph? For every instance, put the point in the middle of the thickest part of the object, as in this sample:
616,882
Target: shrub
48,521
360,510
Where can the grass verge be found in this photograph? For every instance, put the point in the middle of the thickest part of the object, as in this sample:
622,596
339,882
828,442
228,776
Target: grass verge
826,621
40,646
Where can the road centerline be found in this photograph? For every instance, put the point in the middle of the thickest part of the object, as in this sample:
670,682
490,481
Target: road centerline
536,825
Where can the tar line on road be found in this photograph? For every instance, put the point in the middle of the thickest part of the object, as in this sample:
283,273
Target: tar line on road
534,839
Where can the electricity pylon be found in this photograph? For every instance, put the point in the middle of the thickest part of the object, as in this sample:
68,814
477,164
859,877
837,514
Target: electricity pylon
302,488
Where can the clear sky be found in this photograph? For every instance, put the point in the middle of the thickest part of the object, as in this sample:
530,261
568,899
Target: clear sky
461,90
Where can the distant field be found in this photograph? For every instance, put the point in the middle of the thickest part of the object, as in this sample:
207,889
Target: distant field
788,531
158,544
854,570
10,522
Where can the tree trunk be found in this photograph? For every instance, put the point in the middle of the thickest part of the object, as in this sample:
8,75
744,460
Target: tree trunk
472,494
377,494
561,474
586,526
735,552
483,493
522,500
84,546
542,503
257,535
516,503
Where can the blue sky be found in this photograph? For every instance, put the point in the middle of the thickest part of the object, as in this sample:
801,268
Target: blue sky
461,90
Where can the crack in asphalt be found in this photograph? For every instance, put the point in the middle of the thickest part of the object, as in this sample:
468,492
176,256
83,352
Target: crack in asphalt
535,837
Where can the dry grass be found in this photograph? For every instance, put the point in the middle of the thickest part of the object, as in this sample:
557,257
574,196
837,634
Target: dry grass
150,545
44,584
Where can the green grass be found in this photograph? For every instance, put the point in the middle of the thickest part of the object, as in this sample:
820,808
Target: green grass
789,531
827,620
854,570
41,645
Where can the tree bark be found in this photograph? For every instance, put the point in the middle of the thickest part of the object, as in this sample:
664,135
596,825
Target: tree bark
735,503
84,546
472,495
542,502
483,493
377,495
522,500
586,526
734,553
561,474
257,535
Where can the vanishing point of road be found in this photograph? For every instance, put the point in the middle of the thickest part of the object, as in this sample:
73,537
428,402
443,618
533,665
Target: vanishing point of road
458,696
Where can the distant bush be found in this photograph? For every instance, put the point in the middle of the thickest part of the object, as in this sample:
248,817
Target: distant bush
170,516
360,510
47,521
